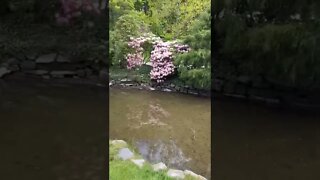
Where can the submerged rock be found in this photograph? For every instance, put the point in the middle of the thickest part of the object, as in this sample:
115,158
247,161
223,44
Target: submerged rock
125,154
159,167
176,174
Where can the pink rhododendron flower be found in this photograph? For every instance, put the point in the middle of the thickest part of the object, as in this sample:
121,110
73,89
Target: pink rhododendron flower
161,56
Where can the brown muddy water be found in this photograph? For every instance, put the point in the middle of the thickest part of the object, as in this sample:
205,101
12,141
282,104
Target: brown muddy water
255,142
52,131
164,127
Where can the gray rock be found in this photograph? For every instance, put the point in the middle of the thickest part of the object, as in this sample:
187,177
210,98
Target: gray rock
81,73
28,65
61,74
193,92
38,72
190,173
48,58
5,64
125,154
62,59
14,67
3,71
126,80
119,143
138,162
32,56
194,175
166,90
159,167
201,177
46,77
13,61
176,174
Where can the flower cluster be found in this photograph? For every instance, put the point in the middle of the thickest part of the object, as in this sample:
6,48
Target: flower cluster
136,58
182,48
162,63
71,9
161,56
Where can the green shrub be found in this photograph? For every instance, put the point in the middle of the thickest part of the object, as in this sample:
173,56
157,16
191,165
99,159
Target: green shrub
128,25
194,67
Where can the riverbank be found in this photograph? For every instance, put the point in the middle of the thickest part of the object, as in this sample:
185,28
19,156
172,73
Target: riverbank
124,163
122,78
244,88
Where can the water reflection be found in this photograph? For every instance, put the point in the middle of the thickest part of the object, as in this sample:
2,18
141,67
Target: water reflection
164,127
257,142
50,132
163,151
154,112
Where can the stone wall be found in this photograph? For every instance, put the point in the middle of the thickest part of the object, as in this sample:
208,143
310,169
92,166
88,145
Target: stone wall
53,66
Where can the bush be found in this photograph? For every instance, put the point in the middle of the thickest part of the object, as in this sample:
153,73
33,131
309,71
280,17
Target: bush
128,25
194,67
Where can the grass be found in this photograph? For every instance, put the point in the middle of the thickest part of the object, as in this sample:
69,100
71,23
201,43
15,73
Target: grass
135,75
119,169
127,170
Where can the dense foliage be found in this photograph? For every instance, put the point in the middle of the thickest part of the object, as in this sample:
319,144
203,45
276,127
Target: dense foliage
195,66
169,22
74,28
277,40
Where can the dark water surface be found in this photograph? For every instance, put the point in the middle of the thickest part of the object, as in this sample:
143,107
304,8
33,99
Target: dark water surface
52,132
164,127
253,142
